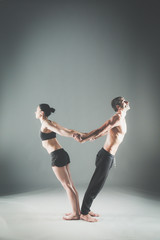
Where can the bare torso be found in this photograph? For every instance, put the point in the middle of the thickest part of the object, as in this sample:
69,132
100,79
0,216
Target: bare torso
51,144
115,137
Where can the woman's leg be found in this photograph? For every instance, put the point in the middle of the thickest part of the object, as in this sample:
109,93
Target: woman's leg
77,197
63,176
90,213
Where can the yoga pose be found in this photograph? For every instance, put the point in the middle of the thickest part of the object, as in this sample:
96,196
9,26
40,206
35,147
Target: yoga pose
59,157
116,129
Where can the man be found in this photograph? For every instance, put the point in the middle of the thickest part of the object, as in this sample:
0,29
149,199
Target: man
115,128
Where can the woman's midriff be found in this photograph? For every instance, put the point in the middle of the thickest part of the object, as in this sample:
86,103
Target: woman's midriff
51,145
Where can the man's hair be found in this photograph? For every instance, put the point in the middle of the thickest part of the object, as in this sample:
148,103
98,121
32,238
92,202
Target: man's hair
116,101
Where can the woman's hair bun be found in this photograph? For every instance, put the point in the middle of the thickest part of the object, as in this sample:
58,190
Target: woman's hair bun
46,109
52,110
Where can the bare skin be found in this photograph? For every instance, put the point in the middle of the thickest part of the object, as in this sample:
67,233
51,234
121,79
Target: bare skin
115,128
62,173
92,214
88,218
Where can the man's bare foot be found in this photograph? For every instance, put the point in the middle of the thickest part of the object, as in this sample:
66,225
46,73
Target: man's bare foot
92,214
88,218
71,217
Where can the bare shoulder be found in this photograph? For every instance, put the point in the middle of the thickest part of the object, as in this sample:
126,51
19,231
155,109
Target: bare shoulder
115,119
48,122
112,121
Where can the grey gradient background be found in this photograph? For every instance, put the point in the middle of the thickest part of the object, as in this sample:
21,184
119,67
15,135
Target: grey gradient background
77,56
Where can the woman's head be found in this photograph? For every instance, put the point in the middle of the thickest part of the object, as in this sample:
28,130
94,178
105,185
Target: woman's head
44,110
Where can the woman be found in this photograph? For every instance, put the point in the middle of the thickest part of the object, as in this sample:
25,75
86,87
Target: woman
60,158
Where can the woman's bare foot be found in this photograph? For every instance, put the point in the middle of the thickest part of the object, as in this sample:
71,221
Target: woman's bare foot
92,214
67,214
71,217
88,218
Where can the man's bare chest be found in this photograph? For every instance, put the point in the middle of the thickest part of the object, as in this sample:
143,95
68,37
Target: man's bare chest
123,126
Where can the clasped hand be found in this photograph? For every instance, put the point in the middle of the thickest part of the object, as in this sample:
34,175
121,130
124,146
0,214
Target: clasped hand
80,137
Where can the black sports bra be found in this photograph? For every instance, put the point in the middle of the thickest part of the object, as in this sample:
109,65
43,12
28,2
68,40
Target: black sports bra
46,136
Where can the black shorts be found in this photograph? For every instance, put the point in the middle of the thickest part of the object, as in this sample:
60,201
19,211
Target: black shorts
60,158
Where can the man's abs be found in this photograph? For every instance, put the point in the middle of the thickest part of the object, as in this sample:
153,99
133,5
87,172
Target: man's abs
112,143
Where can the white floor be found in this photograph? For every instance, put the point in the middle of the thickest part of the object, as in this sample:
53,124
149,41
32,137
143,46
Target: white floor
38,216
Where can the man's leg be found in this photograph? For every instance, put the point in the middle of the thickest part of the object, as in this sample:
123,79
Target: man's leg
104,162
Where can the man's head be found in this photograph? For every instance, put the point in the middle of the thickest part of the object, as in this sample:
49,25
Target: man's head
119,103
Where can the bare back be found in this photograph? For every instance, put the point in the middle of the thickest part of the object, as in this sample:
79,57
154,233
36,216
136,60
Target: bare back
115,136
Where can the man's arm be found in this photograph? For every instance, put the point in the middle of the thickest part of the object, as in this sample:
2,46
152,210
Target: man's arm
109,124
98,136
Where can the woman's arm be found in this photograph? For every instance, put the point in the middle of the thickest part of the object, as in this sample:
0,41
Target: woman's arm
55,127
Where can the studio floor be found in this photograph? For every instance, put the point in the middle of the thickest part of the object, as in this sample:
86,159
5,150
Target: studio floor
124,215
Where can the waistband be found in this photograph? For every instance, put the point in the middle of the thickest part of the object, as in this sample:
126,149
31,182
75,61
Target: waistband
57,150
107,153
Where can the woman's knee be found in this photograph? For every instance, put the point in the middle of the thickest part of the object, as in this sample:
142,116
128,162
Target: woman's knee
75,191
66,185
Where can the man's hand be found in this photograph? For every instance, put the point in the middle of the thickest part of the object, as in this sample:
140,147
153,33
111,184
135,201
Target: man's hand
77,137
92,139
81,137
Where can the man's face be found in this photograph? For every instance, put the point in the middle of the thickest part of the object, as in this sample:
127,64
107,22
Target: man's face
124,104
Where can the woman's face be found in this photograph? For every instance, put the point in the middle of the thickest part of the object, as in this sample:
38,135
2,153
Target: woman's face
38,113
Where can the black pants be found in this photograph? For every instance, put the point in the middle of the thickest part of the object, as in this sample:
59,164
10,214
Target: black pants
104,162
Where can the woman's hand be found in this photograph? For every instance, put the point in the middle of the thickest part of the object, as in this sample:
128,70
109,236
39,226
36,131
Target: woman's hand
79,137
